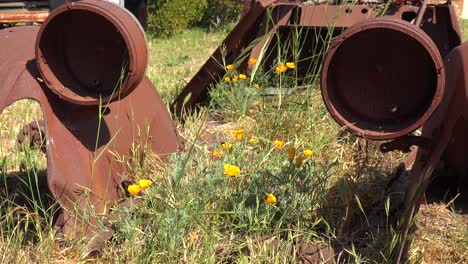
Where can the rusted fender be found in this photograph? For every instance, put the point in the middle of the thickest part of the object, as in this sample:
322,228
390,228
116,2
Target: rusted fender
85,164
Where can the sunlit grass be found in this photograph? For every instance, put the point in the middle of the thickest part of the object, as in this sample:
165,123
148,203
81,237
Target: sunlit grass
196,213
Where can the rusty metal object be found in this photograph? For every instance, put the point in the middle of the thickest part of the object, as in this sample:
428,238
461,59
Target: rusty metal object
84,140
85,72
316,21
370,102
447,129
410,77
23,16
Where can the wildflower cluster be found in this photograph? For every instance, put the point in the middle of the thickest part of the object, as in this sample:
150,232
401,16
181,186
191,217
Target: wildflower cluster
135,189
298,158
282,67
233,78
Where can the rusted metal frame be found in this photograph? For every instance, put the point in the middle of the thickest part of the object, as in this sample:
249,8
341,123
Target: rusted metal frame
421,12
441,127
211,72
23,16
315,16
319,16
243,34
246,7
405,143
281,16
249,3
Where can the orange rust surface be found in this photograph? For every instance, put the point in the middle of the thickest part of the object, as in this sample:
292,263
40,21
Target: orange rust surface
24,16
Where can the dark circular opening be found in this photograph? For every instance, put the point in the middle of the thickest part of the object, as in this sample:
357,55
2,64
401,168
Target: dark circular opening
85,53
348,10
381,80
364,10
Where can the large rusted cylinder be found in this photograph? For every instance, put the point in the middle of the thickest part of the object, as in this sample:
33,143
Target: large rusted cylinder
382,78
89,51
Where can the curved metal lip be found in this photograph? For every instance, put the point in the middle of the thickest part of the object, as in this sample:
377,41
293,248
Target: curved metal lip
401,26
102,8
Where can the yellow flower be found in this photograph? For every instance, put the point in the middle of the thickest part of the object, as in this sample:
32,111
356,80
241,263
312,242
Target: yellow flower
271,198
308,153
256,85
252,61
194,235
227,147
234,79
281,68
299,159
228,93
231,170
290,65
238,133
291,153
134,189
242,76
145,184
217,154
278,144
228,67
227,79
253,141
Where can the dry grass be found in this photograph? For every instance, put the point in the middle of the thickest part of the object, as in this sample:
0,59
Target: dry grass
441,236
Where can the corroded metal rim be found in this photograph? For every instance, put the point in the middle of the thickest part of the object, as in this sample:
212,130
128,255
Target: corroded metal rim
125,24
390,24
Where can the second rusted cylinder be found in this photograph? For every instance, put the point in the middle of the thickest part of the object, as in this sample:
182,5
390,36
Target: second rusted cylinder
382,78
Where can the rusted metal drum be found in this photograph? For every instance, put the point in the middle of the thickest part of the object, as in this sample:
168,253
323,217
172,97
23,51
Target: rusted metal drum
89,51
382,78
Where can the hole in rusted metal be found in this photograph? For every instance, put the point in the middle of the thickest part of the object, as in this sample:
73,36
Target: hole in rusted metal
408,16
393,109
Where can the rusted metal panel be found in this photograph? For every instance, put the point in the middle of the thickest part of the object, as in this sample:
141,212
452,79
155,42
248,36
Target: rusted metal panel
23,16
330,16
242,35
83,171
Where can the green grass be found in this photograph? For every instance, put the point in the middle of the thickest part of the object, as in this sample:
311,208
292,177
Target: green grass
194,213
174,60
